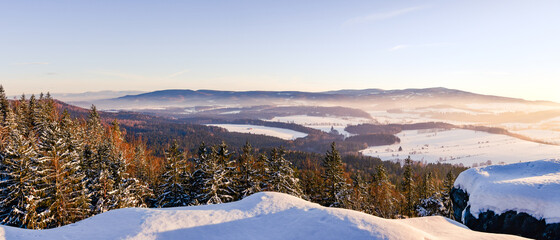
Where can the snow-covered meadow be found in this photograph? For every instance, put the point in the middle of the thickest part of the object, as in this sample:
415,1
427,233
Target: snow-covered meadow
542,135
260,216
459,146
324,124
282,133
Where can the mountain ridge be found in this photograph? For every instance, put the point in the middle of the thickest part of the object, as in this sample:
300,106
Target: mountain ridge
344,94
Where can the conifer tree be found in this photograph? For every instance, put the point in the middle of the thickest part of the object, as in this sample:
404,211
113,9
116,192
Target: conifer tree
4,105
361,198
102,185
446,195
430,203
408,189
281,176
384,200
211,179
63,197
337,192
175,189
249,177
427,187
312,181
198,177
19,198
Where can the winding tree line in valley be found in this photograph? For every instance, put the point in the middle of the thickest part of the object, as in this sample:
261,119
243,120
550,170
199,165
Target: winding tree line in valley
56,170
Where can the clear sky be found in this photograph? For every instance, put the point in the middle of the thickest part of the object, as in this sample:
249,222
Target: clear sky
508,48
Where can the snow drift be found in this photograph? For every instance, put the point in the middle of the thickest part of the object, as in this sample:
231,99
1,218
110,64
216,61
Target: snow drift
521,199
261,216
529,187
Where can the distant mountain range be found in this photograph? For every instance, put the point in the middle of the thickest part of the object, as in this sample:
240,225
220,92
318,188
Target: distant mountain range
178,94
348,95
185,101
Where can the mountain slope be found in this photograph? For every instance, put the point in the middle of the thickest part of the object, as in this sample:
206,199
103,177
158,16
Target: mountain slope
260,216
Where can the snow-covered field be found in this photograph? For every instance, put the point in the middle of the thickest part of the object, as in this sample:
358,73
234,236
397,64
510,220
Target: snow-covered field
282,133
324,124
530,187
467,147
543,135
260,216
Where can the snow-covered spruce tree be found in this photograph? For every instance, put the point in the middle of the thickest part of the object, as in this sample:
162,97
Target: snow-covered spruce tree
92,136
140,164
362,200
102,189
430,202
281,176
174,191
383,192
130,191
408,190
249,173
198,177
427,187
337,190
4,105
62,190
18,195
213,180
79,197
446,195
21,110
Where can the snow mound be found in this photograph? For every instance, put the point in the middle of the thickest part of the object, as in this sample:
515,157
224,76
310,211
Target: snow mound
261,216
529,187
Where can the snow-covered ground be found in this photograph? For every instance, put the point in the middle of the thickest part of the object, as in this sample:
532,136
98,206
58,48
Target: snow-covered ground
543,135
410,117
260,216
324,124
459,146
282,133
530,187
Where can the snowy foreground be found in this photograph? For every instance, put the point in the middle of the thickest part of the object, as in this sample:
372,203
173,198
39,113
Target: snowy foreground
260,216
459,146
530,187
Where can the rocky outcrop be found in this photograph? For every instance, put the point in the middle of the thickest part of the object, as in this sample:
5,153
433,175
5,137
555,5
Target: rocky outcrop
509,222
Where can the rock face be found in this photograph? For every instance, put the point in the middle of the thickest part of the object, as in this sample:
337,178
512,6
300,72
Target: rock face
509,222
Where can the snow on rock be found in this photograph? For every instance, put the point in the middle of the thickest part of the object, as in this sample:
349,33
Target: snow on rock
260,216
529,187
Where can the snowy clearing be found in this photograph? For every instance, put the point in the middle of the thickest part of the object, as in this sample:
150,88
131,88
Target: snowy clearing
459,146
282,133
324,124
530,187
260,216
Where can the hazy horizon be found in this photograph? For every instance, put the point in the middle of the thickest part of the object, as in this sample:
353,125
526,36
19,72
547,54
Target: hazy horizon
502,48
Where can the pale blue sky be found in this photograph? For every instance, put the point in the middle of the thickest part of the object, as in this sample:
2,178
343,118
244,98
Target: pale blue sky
508,48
